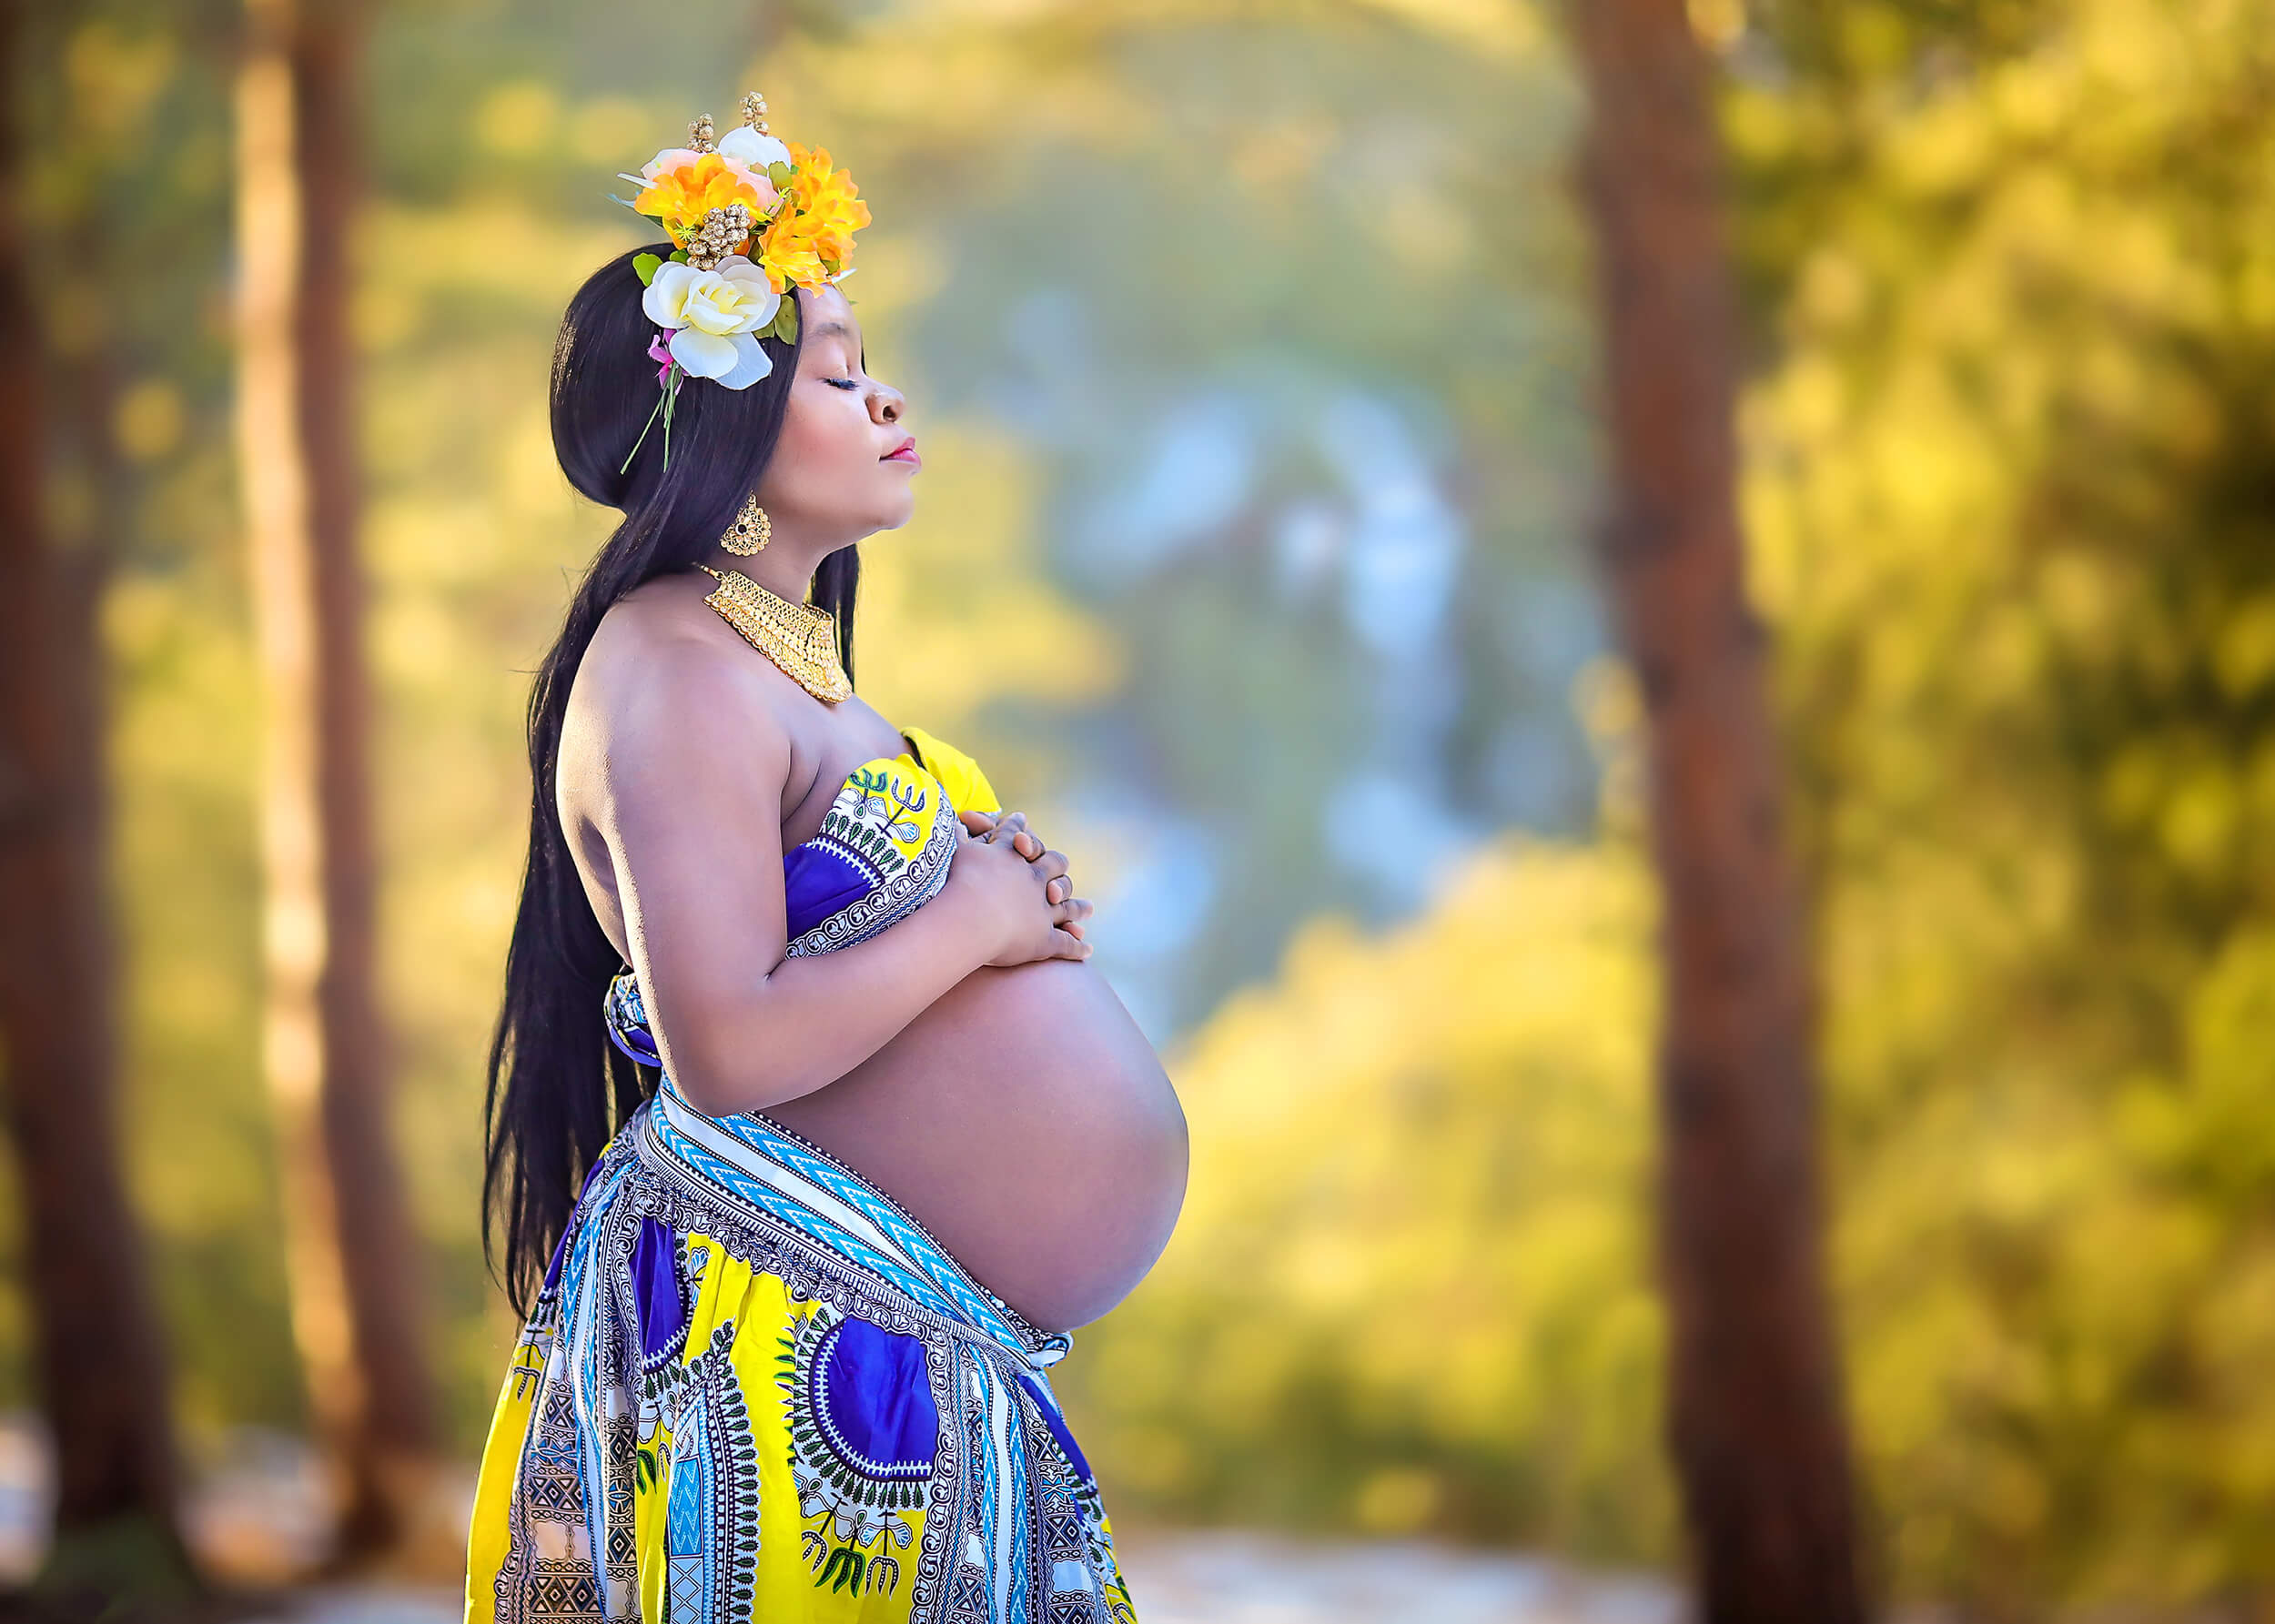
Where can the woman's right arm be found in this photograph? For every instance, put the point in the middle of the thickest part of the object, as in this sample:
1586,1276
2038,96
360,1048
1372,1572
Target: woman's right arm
687,794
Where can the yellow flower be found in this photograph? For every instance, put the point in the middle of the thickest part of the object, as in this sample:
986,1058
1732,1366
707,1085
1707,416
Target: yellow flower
786,252
680,195
810,239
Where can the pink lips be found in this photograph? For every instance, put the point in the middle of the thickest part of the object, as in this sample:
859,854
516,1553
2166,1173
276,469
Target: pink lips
904,452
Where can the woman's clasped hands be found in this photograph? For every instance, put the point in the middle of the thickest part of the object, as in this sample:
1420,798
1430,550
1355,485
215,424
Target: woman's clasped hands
999,861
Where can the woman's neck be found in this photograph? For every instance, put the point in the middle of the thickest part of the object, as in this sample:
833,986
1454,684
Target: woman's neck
784,577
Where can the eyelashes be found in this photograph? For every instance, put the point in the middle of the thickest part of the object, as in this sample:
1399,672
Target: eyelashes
843,383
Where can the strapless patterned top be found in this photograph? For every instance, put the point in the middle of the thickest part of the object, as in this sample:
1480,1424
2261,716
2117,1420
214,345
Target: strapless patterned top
883,853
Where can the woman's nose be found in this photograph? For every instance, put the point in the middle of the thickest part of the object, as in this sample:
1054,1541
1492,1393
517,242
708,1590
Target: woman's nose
888,404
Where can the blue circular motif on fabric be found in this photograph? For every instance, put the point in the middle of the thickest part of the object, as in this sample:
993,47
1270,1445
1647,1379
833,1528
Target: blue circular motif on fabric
872,1396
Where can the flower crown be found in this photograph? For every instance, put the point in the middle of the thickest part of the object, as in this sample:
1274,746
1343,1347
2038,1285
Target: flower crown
752,217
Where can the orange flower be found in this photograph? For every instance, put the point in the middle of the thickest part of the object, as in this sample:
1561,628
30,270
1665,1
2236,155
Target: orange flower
786,252
827,203
680,196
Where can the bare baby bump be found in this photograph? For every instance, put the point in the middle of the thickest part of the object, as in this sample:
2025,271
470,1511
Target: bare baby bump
1023,1119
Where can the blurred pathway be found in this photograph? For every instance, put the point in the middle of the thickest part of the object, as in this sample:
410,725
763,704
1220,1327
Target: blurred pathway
1227,1578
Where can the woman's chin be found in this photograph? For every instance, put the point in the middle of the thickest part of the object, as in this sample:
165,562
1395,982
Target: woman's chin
879,519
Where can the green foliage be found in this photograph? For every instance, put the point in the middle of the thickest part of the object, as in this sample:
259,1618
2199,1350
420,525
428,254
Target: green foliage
2008,489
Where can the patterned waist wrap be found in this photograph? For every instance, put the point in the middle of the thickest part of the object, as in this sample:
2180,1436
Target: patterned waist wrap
753,1390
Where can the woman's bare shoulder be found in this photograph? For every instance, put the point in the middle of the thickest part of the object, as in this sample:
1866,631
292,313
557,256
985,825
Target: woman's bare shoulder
666,680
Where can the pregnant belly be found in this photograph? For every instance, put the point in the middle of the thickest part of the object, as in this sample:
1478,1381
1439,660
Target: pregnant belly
1027,1122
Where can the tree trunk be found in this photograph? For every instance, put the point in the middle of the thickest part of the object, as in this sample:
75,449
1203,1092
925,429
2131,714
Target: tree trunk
1755,1422
350,1247
98,1342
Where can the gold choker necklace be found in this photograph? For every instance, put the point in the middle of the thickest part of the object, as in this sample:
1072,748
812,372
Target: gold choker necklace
797,637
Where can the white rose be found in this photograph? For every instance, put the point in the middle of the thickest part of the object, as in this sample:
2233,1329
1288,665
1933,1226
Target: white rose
715,313
746,146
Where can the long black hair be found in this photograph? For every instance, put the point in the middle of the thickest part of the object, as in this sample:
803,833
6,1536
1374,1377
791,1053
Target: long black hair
558,1088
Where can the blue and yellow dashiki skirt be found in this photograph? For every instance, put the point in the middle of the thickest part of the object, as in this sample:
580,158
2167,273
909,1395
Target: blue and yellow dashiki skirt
752,1389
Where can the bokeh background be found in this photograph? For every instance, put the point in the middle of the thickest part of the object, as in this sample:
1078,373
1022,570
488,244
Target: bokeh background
1253,347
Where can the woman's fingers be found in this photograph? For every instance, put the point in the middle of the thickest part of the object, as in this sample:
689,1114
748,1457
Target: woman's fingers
1013,826
1058,883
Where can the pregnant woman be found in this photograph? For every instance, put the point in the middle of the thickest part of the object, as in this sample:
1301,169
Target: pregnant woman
811,1132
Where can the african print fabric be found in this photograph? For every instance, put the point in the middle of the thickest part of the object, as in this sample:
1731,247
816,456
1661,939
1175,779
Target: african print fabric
753,1388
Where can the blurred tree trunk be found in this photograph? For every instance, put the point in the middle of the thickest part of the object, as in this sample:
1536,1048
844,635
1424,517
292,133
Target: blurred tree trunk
350,1247
97,1343
1755,1425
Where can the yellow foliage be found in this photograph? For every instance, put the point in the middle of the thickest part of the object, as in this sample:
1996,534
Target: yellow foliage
1410,1286
517,118
1997,484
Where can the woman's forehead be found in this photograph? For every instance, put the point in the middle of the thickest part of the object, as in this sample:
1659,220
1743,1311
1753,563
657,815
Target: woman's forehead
827,315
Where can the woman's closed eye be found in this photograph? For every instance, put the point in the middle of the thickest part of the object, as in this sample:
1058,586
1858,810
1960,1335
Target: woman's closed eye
843,383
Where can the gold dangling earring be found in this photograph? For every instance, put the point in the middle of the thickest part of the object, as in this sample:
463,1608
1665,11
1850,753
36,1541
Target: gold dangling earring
751,521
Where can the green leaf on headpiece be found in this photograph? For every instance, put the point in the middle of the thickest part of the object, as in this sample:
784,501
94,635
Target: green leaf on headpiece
780,174
647,265
678,256
785,325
